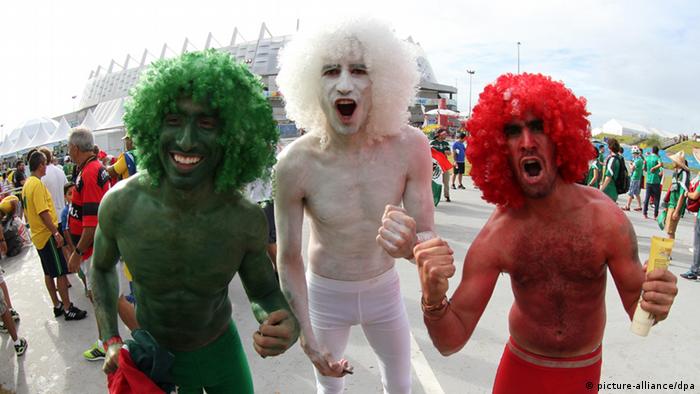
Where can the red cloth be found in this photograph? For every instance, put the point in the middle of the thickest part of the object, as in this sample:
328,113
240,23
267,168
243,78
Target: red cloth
91,185
128,379
441,159
524,372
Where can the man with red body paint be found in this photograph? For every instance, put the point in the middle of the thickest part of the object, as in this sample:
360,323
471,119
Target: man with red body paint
555,239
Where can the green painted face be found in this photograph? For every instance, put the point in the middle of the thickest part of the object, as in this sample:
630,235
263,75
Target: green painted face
189,150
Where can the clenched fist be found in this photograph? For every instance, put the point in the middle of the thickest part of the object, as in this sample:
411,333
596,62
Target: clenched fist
397,235
435,267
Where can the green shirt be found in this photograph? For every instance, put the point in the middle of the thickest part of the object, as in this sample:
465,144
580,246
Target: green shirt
638,169
441,146
653,177
679,185
612,168
592,167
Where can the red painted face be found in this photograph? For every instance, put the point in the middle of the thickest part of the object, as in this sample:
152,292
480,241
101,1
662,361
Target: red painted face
532,156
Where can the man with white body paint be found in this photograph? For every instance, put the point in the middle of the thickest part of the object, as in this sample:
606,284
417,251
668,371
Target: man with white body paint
357,163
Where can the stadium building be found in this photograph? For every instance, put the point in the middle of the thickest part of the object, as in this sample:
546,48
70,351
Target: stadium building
101,104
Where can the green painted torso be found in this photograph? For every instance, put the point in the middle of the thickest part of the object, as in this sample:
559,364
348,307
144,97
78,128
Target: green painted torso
182,260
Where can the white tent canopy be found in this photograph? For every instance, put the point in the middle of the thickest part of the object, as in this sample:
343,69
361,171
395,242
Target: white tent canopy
21,144
21,137
61,133
40,138
109,114
105,121
90,122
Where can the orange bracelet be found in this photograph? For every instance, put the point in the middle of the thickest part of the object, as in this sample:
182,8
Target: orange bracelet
435,311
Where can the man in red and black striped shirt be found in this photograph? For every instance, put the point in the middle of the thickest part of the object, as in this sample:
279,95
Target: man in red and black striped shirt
91,184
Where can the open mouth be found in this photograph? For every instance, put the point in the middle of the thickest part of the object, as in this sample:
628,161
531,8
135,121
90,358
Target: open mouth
532,168
185,161
346,107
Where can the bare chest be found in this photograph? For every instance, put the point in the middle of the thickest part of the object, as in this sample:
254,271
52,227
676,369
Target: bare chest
353,191
171,250
555,257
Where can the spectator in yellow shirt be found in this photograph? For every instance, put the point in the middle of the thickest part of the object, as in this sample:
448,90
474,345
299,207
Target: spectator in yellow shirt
126,163
41,216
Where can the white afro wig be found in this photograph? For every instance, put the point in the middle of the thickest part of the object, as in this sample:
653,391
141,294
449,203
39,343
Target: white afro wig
391,64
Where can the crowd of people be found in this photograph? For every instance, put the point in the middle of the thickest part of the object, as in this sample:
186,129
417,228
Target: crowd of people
647,170
349,84
40,206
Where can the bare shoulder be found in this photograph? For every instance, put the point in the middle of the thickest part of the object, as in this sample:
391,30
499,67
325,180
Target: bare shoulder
126,191
242,206
605,215
595,202
299,151
123,199
241,210
412,138
297,163
488,245
410,145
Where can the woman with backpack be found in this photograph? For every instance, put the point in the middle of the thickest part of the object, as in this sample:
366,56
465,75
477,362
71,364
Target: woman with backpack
693,200
615,173
677,193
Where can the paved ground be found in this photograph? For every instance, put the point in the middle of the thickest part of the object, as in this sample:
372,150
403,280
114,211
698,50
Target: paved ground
53,363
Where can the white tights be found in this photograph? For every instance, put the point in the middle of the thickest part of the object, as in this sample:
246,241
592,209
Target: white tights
376,304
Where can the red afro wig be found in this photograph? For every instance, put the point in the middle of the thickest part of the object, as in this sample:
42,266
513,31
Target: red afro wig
514,96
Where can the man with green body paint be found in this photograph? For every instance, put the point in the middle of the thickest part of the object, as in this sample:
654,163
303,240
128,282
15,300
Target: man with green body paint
202,129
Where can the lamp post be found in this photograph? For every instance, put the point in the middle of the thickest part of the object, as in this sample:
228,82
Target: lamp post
471,73
518,57
73,99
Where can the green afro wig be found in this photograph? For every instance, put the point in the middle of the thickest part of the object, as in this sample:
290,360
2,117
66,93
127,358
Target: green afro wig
248,132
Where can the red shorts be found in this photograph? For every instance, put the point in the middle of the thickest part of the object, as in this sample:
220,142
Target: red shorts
524,372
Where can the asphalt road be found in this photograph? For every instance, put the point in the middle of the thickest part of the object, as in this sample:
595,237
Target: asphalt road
53,362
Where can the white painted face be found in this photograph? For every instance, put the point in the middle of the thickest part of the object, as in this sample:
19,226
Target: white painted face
346,94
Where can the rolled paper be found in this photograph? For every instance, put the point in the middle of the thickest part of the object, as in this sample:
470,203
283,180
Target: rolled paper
659,257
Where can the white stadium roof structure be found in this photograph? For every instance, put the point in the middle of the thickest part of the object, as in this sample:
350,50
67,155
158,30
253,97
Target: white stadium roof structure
623,127
101,105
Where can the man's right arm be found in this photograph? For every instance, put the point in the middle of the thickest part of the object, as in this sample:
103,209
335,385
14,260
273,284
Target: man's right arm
104,277
289,216
451,323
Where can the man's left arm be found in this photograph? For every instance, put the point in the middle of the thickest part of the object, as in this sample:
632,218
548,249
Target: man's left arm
403,228
659,286
279,328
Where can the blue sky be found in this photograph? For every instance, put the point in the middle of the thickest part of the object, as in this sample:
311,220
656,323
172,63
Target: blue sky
633,60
